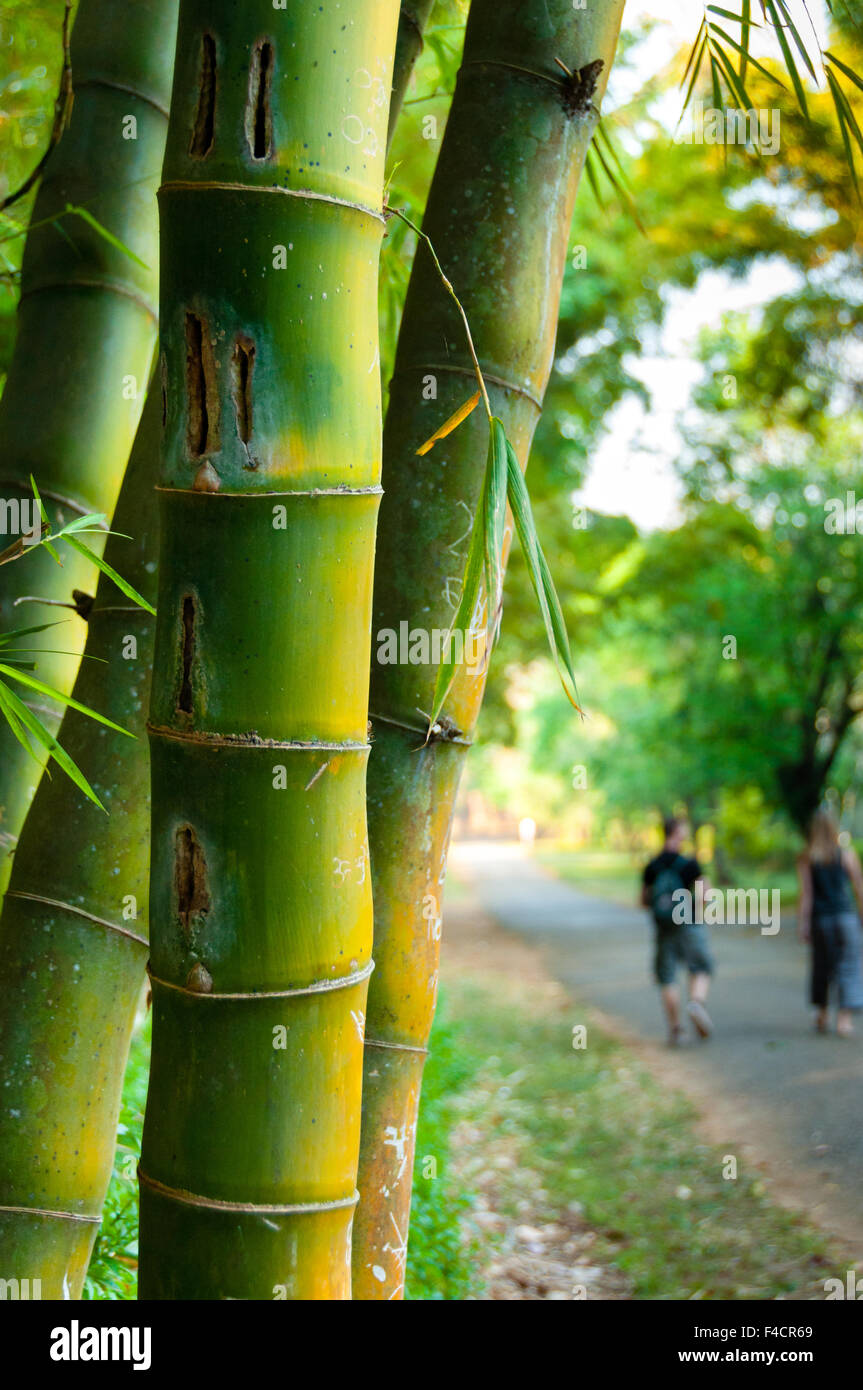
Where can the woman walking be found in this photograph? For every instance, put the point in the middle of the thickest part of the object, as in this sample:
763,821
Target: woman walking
830,880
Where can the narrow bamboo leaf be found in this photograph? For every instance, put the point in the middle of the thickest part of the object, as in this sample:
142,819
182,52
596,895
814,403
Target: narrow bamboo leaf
494,501
787,54
540,576
696,69
765,72
746,25
731,77
470,595
838,96
7,637
62,699
60,756
626,197
590,172
716,79
795,34
452,423
843,67
112,240
14,722
122,584
45,522
696,53
93,521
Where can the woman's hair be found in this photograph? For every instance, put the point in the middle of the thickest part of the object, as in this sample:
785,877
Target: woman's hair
823,836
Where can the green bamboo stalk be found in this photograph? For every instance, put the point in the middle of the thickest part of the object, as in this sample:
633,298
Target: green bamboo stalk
260,893
498,216
86,327
72,943
413,18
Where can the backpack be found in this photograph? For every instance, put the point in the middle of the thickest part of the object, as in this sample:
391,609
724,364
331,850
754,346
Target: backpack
668,881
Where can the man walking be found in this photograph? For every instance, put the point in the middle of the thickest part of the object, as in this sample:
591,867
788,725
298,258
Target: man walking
678,941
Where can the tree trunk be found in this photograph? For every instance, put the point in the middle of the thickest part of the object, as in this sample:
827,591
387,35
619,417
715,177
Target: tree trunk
72,954
260,895
86,329
498,216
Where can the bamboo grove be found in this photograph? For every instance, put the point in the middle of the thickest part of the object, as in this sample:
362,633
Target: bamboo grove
275,849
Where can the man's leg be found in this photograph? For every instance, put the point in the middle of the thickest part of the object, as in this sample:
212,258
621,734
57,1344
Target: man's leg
700,965
671,1004
665,972
699,986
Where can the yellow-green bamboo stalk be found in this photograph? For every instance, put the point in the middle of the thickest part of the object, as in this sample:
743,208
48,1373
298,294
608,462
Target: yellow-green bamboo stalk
86,328
498,216
73,929
260,892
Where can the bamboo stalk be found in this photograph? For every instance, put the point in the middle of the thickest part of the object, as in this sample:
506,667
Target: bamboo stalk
498,216
413,18
86,326
260,892
72,931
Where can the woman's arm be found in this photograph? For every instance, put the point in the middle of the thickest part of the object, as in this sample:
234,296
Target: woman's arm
804,906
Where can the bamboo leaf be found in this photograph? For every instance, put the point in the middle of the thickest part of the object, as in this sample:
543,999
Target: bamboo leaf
746,24
782,6
122,584
494,502
62,699
26,717
843,67
45,522
112,240
7,637
839,102
452,423
726,38
790,63
14,722
540,576
463,620
696,69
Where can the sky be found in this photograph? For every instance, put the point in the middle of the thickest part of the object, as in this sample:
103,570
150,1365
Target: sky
623,475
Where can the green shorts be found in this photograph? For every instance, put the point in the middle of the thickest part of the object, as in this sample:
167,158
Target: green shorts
684,945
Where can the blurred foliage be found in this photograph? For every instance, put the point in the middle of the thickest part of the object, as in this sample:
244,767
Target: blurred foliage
31,58
772,432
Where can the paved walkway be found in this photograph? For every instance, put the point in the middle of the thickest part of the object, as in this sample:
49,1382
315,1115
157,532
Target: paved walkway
766,1082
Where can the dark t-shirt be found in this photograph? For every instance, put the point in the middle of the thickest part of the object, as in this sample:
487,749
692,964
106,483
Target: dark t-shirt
831,888
689,869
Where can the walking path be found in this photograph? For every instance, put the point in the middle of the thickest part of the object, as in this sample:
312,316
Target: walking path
768,1088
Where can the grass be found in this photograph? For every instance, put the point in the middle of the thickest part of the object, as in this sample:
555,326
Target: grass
600,873
616,876
602,1137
